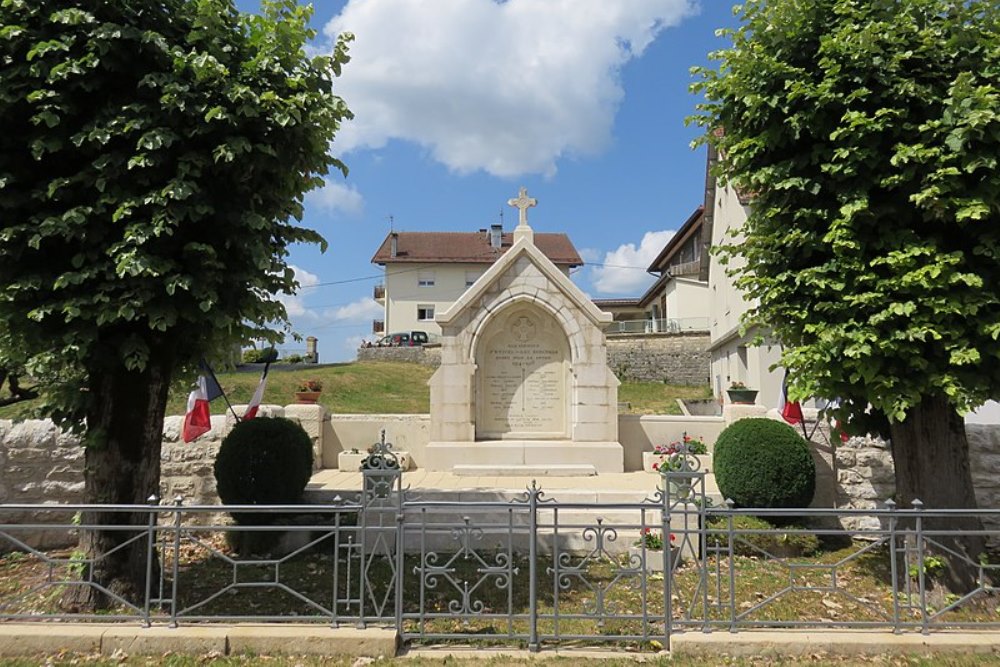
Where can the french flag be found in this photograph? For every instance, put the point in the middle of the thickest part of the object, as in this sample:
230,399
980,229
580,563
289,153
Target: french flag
198,419
258,396
791,411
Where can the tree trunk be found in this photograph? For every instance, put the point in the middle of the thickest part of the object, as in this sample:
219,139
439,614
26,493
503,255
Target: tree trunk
122,466
931,455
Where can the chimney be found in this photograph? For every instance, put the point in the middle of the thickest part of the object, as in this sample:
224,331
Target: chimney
496,232
393,244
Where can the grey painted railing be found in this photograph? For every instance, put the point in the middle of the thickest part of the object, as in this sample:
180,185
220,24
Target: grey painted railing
659,326
531,570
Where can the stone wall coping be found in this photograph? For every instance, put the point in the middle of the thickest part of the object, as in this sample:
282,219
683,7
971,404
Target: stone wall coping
670,419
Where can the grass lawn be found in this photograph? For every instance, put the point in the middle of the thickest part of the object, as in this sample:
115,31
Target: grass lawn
382,387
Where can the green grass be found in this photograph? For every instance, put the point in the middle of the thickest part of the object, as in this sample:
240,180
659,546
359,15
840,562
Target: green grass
383,387
657,398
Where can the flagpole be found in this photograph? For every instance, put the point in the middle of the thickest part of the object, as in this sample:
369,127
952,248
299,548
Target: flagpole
224,397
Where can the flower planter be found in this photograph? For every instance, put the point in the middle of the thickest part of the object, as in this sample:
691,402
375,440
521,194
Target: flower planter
742,396
307,397
654,558
649,459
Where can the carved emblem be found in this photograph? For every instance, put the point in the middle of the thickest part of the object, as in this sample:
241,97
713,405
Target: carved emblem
524,329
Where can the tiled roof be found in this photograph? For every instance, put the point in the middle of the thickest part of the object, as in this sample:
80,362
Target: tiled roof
469,247
616,303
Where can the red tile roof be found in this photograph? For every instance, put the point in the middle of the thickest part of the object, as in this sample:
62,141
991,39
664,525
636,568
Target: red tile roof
469,247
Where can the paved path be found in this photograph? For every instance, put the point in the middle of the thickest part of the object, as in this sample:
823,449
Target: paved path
620,487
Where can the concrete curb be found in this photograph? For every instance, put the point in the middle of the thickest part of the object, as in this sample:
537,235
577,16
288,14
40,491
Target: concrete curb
33,638
23,639
789,643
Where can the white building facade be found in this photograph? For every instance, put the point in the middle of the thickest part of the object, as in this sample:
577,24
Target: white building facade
427,272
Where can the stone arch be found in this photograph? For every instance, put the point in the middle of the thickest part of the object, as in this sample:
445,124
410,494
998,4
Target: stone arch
523,380
569,327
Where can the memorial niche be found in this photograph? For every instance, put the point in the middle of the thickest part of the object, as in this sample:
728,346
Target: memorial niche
522,377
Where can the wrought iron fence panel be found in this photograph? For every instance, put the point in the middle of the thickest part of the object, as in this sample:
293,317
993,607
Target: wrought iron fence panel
466,571
531,569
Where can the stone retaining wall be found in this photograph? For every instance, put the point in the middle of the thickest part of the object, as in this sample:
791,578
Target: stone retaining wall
426,356
673,358
866,478
42,464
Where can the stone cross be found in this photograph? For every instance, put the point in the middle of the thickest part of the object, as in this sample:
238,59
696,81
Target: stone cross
523,203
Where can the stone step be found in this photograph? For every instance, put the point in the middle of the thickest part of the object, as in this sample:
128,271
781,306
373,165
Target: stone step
526,470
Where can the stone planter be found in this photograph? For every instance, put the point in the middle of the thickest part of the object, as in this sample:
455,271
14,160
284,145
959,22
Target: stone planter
742,396
350,460
648,459
307,397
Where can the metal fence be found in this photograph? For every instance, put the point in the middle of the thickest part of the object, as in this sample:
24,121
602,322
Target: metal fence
529,570
670,325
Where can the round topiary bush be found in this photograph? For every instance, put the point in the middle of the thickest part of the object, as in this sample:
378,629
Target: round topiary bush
263,462
764,463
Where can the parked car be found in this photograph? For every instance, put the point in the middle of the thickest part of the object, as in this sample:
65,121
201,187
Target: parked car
404,339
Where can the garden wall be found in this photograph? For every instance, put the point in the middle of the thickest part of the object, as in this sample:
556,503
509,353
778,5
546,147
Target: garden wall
41,464
673,358
425,356
866,478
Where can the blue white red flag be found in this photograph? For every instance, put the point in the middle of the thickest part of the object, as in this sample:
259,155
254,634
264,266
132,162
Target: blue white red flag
258,396
198,419
791,411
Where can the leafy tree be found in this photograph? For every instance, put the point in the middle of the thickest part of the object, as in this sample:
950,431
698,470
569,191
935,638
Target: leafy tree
152,166
868,134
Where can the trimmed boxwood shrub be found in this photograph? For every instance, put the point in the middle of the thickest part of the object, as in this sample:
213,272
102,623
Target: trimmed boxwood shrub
761,462
264,461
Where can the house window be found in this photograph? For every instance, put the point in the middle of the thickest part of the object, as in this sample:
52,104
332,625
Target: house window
425,313
425,279
471,277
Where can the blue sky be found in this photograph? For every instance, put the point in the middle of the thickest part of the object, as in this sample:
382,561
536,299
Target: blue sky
460,102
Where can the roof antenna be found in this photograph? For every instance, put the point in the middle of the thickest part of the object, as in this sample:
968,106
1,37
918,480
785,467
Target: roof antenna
501,216
390,223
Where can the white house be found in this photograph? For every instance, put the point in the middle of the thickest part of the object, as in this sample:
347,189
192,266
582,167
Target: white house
732,358
678,300
426,272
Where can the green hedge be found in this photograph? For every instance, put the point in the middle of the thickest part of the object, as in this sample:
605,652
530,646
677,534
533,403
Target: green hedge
764,463
263,462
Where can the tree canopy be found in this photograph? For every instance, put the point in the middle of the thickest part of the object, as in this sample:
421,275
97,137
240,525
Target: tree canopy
152,168
153,162
868,134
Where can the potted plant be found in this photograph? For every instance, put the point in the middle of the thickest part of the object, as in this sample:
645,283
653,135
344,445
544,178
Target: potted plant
647,551
666,457
739,393
309,391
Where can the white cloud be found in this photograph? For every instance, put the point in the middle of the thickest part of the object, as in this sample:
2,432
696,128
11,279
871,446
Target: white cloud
293,303
363,309
624,270
334,196
504,87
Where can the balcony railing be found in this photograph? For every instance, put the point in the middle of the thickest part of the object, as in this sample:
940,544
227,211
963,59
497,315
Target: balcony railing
669,325
378,326
686,268
379,292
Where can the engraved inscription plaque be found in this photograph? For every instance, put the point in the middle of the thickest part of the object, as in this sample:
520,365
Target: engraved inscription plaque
522,387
